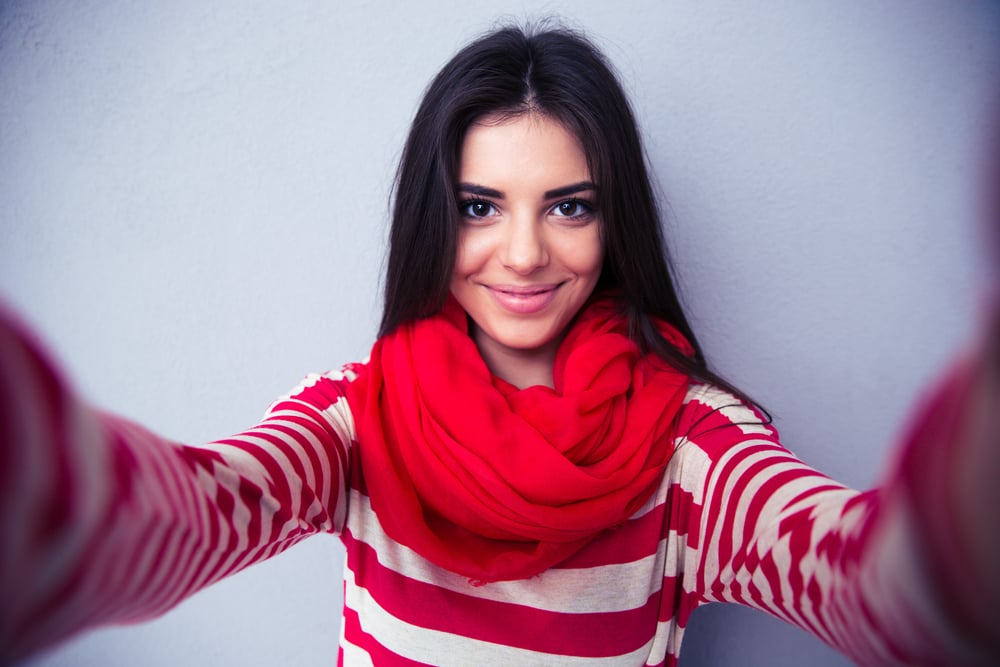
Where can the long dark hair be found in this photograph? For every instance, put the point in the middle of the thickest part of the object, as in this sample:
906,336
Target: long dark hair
559,73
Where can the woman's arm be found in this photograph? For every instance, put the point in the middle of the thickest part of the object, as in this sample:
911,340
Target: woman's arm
102,521
948,482
899,575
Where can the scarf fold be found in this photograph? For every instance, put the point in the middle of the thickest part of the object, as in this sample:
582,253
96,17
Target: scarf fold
494,482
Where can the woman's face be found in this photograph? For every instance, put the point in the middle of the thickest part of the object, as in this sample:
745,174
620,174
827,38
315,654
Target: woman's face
529,241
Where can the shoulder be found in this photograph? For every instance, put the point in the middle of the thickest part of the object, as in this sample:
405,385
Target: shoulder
715,421
707,407
323,395
729,458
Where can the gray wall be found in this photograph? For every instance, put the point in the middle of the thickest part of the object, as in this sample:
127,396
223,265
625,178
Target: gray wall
193,213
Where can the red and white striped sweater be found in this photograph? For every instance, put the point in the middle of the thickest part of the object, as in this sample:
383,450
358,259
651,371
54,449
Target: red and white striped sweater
736,518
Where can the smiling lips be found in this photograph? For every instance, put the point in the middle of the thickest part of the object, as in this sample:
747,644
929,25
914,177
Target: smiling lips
524,300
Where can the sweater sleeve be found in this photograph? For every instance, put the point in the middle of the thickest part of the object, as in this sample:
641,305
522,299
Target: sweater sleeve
102,521
871,573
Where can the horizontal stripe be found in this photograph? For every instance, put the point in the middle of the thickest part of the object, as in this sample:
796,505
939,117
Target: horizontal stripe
442,648
562,590
581,633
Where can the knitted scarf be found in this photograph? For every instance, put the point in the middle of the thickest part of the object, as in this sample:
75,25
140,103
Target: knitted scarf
495,482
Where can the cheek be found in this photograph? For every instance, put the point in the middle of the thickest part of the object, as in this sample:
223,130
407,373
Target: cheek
471,254
588,256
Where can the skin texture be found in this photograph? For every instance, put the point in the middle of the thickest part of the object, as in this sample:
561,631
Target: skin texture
529,244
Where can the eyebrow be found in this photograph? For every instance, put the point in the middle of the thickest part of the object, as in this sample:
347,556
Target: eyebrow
473,189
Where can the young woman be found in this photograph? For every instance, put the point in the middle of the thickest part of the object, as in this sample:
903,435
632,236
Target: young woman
536,465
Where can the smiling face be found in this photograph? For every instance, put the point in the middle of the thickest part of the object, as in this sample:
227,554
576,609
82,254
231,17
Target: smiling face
529,241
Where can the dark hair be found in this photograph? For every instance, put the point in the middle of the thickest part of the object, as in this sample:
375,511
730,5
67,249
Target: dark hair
562,75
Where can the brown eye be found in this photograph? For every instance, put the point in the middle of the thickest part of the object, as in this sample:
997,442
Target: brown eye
572,208
568,208
477,209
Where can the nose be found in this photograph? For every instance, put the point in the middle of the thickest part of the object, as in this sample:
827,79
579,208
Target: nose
524,249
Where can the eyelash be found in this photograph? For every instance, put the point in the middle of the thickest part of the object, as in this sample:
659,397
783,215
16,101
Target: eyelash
465,204
586,208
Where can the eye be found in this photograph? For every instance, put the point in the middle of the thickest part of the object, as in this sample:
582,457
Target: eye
572,208
477,208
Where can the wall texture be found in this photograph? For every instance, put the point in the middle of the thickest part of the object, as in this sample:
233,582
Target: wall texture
193,204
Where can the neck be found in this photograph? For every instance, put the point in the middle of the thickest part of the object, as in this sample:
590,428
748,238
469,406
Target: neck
521,368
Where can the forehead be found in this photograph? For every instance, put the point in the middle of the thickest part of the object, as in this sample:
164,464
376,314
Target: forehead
527,151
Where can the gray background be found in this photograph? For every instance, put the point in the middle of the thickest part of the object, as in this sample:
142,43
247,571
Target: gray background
193,204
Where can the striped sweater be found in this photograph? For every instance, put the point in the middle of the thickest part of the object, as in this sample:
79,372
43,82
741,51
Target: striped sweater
737,518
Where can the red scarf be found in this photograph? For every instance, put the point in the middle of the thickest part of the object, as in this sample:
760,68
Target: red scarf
495,482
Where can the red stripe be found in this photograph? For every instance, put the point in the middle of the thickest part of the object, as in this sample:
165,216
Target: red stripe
637,538
724,506
282,437
323,394
600,634
676,602
634,540
356,635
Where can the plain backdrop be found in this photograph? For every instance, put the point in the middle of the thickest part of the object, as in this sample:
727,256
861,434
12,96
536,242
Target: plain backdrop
193,212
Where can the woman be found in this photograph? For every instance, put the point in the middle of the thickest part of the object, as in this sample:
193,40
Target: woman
536,465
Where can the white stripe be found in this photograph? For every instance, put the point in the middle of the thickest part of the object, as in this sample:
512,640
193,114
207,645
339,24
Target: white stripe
354,656
255,471
567,591
337,414
736,514
312,379
666,641
445,649
689,467
731,407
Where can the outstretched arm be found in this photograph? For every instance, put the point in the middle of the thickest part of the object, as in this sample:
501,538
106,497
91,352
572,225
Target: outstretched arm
102,521
948,481
904,574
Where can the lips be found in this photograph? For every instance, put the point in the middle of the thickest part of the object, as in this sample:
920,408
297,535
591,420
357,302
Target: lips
523,299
